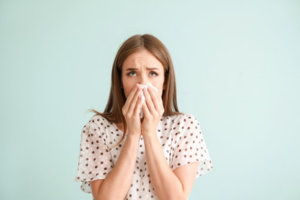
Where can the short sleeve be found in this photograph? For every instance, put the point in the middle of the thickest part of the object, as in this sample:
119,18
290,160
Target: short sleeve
95,161
191,147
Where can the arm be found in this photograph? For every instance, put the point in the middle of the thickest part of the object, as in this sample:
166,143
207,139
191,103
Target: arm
168,184
118,181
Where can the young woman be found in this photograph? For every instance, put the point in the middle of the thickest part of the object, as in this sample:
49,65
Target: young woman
123,156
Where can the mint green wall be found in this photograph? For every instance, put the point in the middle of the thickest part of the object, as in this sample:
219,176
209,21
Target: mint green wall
237,70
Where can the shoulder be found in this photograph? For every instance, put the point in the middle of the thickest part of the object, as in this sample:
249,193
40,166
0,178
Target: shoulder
190,121
97,122
190,118
186,122
180,122
184,118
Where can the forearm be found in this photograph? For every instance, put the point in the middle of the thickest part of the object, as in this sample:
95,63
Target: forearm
118,181
165,182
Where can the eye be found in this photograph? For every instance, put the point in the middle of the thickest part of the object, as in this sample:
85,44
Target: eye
154,73
130,73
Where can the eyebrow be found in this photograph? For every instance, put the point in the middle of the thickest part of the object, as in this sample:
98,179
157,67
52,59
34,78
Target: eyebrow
134,69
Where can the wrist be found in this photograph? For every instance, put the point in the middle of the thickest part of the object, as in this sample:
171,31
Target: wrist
134,135
149,133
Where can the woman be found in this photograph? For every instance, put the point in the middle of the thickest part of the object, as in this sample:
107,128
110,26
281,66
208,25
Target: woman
158,156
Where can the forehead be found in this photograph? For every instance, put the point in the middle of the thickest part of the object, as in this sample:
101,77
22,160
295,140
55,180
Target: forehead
142,58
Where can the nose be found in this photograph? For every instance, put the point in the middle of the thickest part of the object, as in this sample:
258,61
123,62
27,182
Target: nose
143,79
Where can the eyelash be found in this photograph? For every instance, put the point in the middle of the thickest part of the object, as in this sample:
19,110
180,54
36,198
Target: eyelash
134,72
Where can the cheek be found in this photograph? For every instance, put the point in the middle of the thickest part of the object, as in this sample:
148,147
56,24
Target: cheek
160,93
160,89
125,86
127,91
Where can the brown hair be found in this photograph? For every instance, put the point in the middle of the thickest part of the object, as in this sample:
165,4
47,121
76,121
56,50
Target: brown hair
113,110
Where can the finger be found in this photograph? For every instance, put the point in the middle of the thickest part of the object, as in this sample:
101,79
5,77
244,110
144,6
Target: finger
155,100
158,98
134,102
146,110
138,106
129,98
153,91
149,102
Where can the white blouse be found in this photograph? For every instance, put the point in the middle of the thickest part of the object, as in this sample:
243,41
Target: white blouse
180,137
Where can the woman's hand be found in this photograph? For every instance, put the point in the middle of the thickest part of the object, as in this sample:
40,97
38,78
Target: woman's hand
131,111
153,110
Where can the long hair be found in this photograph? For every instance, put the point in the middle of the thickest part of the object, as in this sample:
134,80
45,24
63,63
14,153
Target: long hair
116,100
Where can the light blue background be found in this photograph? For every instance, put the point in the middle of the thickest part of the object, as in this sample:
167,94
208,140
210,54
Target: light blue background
237,71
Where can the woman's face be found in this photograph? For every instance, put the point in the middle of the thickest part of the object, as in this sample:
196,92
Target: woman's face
142,67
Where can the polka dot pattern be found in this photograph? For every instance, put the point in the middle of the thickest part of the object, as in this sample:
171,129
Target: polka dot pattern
180,137
190,146
95,161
